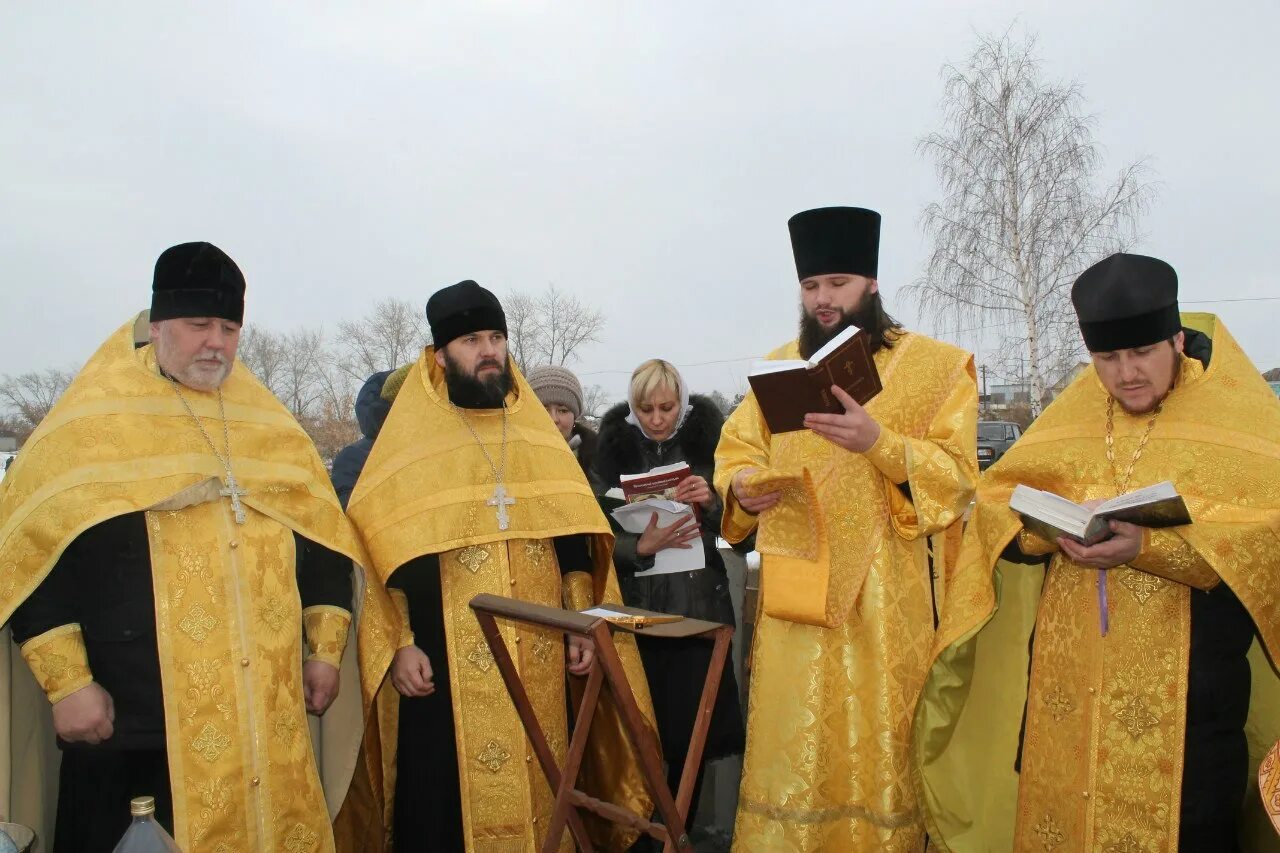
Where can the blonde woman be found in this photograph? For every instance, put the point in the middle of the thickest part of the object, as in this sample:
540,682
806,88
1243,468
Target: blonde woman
659,425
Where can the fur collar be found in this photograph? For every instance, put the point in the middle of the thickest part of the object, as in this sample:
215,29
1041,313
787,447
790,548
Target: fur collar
621,448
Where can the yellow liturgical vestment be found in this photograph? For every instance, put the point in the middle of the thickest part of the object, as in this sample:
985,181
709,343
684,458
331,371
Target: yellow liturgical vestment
848,607
428,489
1105,715
229,624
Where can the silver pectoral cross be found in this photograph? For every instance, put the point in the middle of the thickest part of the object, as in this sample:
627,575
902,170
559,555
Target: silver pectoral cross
501,501
232,490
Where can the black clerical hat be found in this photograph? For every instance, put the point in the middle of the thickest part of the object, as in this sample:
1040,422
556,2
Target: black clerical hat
1126,301
835,240
461,309
196,280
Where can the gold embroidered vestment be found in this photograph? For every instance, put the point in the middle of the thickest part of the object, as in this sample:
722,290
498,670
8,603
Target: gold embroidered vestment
842,645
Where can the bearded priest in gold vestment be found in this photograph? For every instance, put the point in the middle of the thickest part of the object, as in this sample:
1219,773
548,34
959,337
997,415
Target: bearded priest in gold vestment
168,539
1137,727
471,489
849,514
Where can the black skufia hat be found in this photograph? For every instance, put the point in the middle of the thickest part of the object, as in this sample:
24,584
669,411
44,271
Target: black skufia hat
829,240
461,309
196,280
1126,301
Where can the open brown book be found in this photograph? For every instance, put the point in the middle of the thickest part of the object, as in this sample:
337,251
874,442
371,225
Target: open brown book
787,389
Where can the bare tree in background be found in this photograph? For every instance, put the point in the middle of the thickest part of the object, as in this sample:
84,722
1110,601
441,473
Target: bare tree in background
30,396
594,400
301,369
291,364
524,326
549,328
262,351
1022,215
567,324
391,335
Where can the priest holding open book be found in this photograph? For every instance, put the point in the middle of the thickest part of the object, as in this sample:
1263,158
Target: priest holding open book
1135,720
849,504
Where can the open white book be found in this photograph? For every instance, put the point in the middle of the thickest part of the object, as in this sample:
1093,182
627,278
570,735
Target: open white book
1050,516
764,366
635,517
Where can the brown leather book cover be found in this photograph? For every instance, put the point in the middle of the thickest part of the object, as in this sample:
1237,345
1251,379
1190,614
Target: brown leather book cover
786,396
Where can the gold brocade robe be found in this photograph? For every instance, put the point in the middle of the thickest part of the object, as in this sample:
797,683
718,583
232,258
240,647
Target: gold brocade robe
229,624
842,645
427,489
1106,716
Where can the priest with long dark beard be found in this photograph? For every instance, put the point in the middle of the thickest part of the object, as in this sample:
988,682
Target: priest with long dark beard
471,489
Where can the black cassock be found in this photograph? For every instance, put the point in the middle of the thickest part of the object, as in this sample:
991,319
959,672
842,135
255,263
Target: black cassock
428,795
103,582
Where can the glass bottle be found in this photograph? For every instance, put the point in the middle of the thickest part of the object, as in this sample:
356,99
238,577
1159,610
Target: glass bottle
144,835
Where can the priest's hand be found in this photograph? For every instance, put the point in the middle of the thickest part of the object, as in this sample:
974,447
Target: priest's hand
581,651
855,430
754,505
411,672
1122,547
319,685
86,716
694,490
679,534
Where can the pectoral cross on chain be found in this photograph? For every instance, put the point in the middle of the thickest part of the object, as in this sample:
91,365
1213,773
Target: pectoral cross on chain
501,502
232,490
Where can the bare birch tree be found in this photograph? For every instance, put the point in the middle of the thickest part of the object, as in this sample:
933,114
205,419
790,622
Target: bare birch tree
1022,213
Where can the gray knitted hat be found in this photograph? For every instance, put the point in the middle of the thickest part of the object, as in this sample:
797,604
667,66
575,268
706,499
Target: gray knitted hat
556,385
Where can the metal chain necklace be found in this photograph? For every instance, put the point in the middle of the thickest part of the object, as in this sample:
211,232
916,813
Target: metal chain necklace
231,489
1123,485
500,500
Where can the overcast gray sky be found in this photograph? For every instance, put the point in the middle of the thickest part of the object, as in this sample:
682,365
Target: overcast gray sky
643,155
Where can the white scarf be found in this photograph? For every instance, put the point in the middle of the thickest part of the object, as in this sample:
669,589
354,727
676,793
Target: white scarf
685,408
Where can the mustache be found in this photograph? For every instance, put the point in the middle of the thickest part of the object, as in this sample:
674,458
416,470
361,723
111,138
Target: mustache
212,355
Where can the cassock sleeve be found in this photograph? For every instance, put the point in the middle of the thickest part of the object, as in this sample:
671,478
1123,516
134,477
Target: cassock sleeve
744,443
1168,555
1028,549
47,629
939,469
324,584
573,555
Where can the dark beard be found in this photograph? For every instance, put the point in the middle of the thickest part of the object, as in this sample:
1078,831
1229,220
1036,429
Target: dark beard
468,392
813,337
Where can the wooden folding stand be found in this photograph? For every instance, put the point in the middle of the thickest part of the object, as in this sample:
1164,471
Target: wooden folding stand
606,668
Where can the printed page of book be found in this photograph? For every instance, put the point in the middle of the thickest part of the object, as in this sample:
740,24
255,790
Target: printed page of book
1150,494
